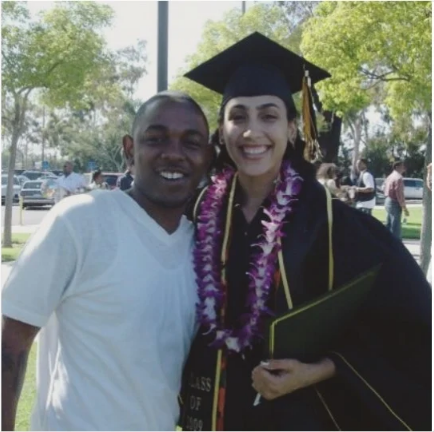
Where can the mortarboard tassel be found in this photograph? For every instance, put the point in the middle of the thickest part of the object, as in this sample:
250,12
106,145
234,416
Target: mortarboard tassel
312,151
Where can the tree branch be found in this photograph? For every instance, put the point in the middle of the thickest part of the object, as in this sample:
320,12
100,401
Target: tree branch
382,77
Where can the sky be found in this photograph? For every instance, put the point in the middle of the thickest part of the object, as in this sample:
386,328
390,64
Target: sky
135,20
138,20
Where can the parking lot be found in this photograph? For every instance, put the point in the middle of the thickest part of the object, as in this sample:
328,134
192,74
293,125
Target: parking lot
31,216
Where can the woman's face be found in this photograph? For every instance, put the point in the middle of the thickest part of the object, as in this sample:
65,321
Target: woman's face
256,132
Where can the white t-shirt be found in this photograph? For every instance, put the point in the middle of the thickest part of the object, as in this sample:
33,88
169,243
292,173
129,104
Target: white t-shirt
115,295
71,183
369,182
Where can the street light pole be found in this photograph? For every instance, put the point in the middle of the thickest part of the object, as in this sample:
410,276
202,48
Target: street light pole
243,7
163,39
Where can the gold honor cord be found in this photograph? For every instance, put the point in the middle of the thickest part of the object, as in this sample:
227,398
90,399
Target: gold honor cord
330,230
373,391
198,201
223,258
321,398
283,275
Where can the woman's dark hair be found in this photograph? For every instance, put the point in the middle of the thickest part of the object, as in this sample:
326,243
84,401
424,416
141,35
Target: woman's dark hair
96,174
294,151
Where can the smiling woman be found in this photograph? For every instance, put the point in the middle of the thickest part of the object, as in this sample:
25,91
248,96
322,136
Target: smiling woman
270,239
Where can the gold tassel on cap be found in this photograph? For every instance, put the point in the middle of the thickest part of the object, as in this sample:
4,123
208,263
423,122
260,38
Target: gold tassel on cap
312,151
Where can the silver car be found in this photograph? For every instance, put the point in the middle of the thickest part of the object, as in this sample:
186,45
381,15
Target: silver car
16,189
38,193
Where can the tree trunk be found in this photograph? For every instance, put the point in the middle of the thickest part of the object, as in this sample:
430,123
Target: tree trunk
20,112
357,139
329,140
7,236
426,232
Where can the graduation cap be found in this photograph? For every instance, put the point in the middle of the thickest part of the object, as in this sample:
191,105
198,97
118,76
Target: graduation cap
257,66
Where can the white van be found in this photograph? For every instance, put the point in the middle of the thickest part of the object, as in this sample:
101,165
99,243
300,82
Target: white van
413,188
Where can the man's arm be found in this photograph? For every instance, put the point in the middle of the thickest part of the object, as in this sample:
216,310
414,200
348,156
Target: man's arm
17,339
400,195
39,281
369,182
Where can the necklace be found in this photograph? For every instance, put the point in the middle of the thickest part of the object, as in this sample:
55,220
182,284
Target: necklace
210,259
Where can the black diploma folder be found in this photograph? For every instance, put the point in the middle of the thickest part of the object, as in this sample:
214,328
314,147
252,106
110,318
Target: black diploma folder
306,332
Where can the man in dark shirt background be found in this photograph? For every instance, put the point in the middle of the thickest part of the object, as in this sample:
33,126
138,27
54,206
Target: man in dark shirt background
124,182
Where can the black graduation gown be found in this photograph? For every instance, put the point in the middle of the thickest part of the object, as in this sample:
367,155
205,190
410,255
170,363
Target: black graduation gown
383,359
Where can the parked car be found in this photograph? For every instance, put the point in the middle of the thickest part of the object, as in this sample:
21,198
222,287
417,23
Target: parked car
48,176
413,188
31,174
22,179
37,193
379,184
17,188
109,177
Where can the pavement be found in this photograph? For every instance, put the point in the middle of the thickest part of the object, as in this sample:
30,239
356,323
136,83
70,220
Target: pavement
23,229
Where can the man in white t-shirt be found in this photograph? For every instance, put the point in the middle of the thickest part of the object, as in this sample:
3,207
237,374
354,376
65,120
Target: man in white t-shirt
365,188
108,277
70,182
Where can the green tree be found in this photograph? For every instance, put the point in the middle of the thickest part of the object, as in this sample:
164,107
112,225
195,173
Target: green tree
376,50
59,56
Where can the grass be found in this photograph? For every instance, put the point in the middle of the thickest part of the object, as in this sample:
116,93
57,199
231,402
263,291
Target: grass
28,394
411,229
18,241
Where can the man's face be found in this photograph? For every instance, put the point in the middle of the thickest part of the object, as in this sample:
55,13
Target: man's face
171,152
360,166
67,168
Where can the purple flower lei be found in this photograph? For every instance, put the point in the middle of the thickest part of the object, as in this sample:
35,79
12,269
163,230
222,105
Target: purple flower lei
208,265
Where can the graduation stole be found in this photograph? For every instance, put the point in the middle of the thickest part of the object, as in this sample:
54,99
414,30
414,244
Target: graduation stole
203,395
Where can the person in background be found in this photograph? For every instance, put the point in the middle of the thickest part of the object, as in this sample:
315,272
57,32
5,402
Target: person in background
98,181
125,181
70,183
395,199
365,188
327,175
108,277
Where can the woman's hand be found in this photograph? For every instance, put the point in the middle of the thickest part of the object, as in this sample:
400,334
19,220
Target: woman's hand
280,377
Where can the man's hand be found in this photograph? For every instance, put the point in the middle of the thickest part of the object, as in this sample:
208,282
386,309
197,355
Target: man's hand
281,377
406,212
